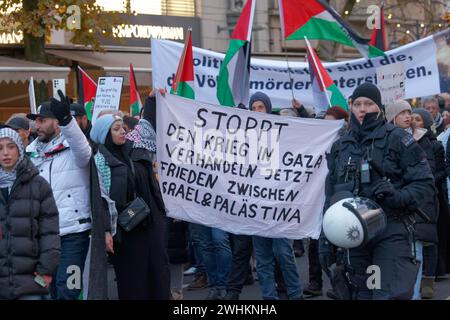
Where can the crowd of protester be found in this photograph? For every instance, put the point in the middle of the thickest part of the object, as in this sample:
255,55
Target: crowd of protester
64,182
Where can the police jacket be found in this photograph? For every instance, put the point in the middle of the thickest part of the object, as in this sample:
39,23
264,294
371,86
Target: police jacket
394,151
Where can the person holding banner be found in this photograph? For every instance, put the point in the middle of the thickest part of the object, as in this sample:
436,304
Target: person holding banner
384,163
268,250
62,154
140,259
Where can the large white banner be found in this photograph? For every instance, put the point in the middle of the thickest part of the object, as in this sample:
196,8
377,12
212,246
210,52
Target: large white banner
241,171
426,65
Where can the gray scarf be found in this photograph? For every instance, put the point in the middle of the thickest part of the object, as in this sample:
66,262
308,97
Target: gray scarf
7,178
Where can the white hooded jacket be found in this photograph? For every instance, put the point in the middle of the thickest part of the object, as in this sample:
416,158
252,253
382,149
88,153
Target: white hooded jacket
67,172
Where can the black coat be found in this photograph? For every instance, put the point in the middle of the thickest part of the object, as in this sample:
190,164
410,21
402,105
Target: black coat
98,266
140,259
427,231
439,155
447,158
30,228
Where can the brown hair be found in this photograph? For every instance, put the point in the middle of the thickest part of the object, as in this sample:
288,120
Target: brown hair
337,112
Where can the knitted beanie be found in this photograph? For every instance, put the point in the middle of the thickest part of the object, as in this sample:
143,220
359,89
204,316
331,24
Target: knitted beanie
101,127
395,108
264,98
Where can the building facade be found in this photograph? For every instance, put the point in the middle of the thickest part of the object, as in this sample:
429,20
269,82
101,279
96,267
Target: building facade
212,22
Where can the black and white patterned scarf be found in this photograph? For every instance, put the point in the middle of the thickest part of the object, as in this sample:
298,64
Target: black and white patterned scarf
143,136
7,178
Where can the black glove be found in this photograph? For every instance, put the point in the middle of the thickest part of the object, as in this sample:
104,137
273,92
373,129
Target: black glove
382,189
61,109
388,196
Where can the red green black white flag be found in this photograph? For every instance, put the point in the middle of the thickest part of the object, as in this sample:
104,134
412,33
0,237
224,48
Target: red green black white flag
183,83
317,20
233,81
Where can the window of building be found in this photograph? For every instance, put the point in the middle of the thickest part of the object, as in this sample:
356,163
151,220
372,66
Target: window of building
184,8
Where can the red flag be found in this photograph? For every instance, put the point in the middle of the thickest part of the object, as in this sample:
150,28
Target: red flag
135,99
87,90
378,38
183,83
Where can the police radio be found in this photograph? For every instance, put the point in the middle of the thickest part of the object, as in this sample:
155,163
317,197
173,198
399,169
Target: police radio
365,171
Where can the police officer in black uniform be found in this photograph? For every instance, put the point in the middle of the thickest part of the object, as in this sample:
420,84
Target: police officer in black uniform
377,160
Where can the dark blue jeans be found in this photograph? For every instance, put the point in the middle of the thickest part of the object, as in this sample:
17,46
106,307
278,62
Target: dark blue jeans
195,239
74,248
267,250
215,251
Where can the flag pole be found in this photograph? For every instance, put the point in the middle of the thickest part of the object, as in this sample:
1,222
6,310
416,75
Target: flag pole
86,74
283,36
32,96
289,69
318,71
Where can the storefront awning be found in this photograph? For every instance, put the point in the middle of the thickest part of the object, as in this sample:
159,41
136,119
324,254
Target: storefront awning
15,70
115,63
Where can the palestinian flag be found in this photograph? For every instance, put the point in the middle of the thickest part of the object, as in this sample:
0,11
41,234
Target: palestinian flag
233,81
183,83
87,89
135,99
315,19
325,92
378,38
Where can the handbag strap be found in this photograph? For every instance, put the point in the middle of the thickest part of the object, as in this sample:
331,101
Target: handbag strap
134,177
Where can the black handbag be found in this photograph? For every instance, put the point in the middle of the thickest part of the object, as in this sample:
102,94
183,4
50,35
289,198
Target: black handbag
135,213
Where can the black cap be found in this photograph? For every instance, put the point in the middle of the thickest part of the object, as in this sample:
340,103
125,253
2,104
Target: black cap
43,111
17,123
368,90
77,110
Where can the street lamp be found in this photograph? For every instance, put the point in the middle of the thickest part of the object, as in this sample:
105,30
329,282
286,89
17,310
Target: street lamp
413,32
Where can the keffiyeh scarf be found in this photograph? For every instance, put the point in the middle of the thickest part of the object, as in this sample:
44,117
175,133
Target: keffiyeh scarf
7,178
44,150
143,136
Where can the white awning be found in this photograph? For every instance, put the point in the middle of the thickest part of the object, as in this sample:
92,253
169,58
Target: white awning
15,70
115,63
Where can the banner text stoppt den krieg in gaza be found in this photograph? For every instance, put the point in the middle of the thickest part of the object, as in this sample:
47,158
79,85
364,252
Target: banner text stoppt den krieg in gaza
242,171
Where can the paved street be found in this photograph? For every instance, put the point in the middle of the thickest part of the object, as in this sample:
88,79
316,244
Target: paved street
252,292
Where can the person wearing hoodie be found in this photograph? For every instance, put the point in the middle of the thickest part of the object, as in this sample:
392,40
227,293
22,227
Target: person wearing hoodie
29,229
400,114
269,250
62,155
405,180
423,119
